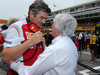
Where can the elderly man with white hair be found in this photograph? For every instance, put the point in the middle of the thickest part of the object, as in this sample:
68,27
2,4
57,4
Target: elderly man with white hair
61,57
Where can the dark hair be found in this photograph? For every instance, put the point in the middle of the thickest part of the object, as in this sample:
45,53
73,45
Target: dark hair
4,27
39,6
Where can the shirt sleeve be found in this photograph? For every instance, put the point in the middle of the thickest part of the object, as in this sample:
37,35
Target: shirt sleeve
43,64
12,37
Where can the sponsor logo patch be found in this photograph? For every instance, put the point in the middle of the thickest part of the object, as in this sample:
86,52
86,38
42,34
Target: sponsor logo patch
28,35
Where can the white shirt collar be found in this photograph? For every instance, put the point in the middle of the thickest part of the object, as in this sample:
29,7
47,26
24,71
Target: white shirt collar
56,39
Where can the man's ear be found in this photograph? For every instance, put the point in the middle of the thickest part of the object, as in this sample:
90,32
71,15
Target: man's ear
31,13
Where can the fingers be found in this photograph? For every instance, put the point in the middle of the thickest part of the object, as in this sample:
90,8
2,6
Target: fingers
11,62
39,35
43,41
36,38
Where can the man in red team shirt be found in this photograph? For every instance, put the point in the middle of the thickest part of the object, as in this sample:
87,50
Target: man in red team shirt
20,39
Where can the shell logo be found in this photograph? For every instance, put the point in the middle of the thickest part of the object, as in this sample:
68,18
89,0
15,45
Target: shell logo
29,35
2,21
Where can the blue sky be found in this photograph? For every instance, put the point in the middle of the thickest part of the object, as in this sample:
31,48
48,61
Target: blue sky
19,8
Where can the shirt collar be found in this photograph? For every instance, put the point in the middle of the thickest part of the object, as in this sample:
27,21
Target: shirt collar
56,39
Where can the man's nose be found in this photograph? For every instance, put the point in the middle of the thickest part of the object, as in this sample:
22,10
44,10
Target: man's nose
43,21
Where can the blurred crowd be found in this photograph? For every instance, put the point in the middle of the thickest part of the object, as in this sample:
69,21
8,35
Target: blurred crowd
3,31
88,6
88,40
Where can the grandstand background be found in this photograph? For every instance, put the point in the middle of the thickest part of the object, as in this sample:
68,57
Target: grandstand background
87,15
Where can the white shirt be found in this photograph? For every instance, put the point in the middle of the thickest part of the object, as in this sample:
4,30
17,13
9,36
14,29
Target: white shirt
0,29
88,36
80,36
58,59
14,34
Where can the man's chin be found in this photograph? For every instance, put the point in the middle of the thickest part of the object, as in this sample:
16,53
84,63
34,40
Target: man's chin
39,25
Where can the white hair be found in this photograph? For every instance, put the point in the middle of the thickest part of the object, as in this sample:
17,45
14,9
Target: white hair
66,24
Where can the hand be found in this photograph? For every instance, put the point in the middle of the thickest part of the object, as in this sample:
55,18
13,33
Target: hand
43,41
10,62
36,38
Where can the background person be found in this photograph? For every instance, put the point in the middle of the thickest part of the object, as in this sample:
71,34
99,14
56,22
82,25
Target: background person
92,45
13,20
97,48
2,39
20,39
61,57
85,38
48,38
80,36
